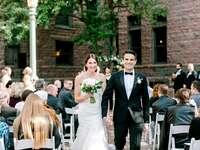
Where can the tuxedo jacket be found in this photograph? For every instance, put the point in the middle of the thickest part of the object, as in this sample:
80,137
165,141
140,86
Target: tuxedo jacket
179,80
137,102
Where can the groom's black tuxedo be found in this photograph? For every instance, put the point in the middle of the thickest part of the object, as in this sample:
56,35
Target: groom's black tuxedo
129,112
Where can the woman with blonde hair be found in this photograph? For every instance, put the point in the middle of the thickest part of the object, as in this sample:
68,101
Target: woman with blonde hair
37,122
28,84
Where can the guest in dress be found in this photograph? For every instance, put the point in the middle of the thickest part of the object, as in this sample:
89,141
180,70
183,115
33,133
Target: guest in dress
19,106
28,83
5,77
7,113
36,122
190,77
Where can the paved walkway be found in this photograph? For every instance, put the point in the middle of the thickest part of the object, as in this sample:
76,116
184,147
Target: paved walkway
110,131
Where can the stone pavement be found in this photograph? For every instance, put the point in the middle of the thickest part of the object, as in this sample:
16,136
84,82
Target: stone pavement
110,132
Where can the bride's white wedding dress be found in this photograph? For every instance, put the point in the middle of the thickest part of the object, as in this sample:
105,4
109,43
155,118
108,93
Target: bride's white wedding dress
91,134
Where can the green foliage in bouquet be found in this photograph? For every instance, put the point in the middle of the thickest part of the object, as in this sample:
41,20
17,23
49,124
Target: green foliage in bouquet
89,88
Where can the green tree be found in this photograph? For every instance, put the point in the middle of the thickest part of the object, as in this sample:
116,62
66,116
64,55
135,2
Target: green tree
100,19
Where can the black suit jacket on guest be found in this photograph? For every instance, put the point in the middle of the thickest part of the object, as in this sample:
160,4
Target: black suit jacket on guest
194,131
53,101
66,101
137,102
162,104
180,114
179,80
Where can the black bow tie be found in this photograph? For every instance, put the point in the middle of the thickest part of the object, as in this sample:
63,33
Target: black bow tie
129,73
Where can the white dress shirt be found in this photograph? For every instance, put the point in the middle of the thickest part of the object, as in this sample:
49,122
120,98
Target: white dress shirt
129,81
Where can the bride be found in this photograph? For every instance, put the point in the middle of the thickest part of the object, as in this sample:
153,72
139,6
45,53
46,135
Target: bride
91,133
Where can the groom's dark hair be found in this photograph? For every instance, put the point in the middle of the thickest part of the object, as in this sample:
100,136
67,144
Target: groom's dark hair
130,52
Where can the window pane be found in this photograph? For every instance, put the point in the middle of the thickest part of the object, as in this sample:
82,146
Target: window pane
64,53
160,43
135,43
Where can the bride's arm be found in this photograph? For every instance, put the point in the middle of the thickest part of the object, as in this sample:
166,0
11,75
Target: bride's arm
103,78
77,91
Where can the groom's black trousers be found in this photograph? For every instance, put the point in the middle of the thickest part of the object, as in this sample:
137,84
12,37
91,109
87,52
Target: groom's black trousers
121,131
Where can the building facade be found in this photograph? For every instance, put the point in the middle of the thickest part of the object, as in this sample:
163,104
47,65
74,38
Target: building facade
159,48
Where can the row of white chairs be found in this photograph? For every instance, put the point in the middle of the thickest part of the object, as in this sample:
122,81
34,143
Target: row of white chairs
174,129
50,143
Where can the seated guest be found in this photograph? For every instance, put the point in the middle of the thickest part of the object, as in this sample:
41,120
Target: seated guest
7,113
180,114
163,102
52,100
194,131
66,98
154,94
67,101
58,84
40,89
36,122
19,106
195,91
4,134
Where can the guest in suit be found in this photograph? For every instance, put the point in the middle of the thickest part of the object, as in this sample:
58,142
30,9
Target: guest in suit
164,101
190,77
67,101
36,122
52,100
131,110
194,131
107,72
178,77
180,114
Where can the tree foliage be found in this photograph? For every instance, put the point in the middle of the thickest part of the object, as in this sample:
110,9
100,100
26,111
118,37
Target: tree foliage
100,19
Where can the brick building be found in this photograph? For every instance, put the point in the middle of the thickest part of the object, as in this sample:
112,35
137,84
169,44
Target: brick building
159,47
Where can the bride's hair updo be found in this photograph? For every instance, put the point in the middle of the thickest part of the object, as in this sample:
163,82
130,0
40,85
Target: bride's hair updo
91,55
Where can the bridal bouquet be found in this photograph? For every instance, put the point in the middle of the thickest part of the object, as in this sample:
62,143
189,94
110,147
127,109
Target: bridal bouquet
91,86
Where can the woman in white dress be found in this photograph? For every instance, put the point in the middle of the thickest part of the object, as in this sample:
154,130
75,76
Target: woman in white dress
91,133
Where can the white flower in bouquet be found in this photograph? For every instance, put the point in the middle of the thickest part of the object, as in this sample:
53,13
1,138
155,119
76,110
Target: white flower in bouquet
91,86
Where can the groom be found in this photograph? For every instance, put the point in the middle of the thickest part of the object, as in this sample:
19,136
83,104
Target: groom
131,103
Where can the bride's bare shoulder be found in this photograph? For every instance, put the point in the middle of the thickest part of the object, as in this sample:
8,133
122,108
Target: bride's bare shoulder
80,77
101,76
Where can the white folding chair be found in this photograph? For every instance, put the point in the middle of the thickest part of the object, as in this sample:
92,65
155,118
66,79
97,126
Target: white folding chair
69,137
60,129
28,143
2,146
176,129
156,137
195,144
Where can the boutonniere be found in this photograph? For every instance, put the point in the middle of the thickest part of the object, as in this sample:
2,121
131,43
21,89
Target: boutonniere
139,80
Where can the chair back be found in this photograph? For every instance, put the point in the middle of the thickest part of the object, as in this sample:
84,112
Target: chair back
28,143
176,129
156,137
195,144
2,146
69,137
